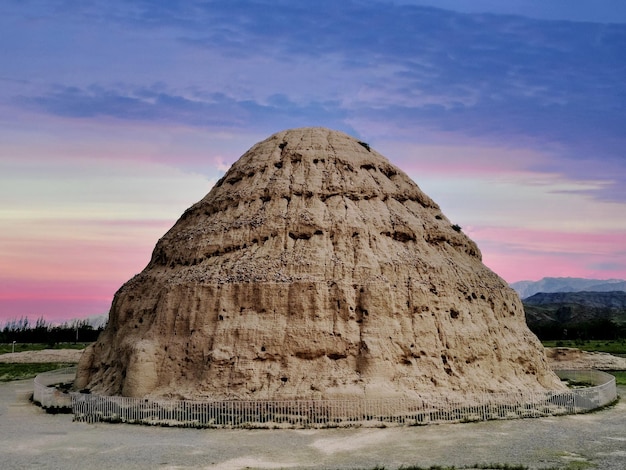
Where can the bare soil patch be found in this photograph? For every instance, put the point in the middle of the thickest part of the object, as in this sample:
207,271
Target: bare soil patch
572,358
46,355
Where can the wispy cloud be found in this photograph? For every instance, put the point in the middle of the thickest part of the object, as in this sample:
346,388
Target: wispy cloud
596,11
213,111
542,84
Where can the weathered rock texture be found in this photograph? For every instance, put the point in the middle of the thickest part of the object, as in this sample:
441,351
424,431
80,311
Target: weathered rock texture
314,269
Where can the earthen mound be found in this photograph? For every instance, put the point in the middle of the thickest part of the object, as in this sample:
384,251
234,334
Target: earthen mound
314,269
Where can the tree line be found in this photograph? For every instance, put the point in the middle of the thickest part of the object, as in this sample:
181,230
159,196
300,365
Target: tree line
602,328
23,331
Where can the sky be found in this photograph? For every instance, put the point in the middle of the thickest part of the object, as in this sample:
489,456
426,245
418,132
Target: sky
117,115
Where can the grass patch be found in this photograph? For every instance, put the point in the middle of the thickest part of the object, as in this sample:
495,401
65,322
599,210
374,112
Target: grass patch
575,465
577,383
616,346
6,348
620,376
496,466
15,371
478,466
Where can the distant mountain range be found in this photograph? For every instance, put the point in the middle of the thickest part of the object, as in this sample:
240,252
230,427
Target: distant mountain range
567,284
558,308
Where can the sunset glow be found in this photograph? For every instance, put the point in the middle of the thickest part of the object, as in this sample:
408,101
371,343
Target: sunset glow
117,116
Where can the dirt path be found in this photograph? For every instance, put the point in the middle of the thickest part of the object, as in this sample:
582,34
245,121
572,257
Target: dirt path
572,358
46,355
30,438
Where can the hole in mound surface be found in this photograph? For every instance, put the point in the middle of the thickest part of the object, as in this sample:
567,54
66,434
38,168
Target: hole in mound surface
388,172
234,179
336,356
299,236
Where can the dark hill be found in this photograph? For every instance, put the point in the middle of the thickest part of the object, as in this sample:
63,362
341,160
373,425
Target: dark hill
586,315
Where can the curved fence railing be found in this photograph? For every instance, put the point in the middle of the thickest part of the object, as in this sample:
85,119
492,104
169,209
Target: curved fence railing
342,413
53,397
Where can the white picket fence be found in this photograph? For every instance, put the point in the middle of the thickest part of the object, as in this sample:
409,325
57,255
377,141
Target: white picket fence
332,413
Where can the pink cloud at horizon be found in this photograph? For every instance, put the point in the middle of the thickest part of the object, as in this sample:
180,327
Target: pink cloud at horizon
518,254
84,255
45,273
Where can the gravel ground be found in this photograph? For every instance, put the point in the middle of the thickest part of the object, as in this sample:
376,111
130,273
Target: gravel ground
30,438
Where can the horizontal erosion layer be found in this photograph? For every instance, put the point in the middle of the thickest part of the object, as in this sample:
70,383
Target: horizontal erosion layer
160,256
229,201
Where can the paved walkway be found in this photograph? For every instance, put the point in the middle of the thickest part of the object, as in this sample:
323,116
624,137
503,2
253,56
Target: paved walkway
30,438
